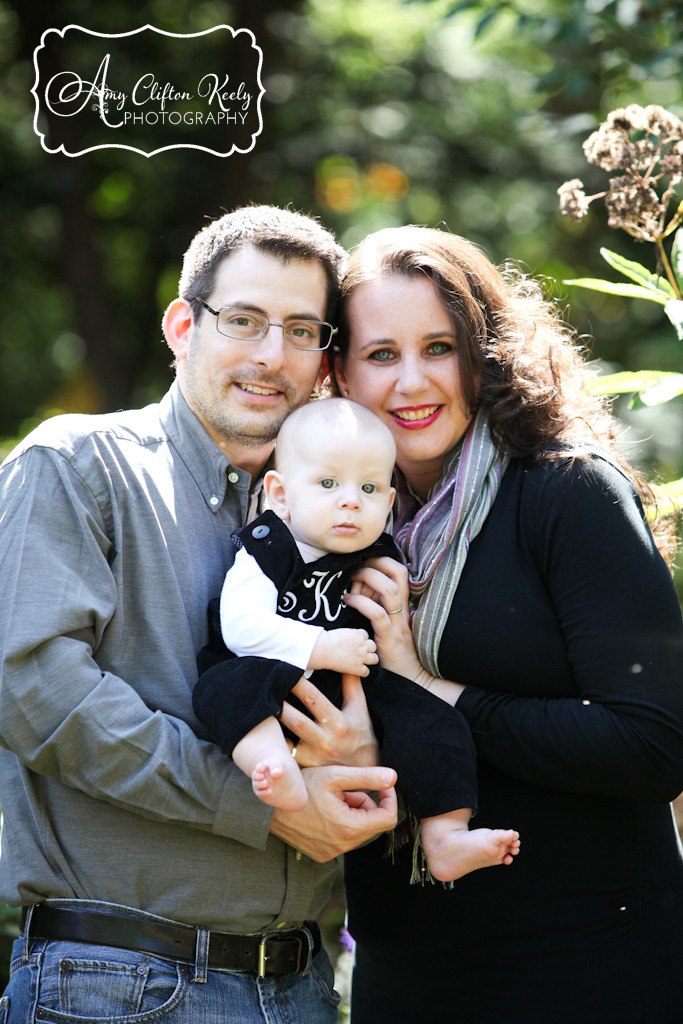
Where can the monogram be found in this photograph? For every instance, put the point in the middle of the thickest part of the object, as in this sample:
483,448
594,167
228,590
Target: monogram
322,598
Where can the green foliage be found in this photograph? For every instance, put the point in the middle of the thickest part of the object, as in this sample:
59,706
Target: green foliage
651,387
644,147
374,114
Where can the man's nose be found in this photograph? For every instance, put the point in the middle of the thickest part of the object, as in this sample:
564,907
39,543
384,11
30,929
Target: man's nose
270,350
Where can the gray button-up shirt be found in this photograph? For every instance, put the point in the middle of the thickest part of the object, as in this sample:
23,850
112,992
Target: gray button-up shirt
114,535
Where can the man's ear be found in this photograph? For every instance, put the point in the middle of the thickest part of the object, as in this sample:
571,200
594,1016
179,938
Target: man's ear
274,486
177,324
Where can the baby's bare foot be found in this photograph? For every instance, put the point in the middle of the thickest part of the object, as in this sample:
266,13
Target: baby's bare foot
279,785
455,853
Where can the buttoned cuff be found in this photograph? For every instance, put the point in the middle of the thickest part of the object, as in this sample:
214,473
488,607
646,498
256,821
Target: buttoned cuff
240,815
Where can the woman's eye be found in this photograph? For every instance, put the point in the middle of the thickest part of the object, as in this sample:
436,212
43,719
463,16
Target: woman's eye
327,483
369,488
381,355
441,348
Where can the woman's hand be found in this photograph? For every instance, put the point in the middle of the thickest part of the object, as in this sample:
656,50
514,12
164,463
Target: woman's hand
342,736
380,592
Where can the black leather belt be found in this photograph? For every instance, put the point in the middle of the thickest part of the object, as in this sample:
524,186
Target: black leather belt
272,953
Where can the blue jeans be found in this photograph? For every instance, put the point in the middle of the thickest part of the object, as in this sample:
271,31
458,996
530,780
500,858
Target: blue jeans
55,982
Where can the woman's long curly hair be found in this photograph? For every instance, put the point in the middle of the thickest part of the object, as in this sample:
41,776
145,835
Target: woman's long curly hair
517,359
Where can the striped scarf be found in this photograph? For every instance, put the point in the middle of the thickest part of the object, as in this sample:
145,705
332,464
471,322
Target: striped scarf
435,539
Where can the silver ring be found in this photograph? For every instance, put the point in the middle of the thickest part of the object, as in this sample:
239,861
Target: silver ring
395,611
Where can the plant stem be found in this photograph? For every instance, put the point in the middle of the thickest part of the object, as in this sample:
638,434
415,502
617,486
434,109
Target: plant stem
667,268
675,221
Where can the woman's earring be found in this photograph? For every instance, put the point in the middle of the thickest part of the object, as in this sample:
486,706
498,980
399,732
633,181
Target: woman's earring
345,394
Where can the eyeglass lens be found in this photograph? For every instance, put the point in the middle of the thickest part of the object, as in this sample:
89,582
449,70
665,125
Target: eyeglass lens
243,325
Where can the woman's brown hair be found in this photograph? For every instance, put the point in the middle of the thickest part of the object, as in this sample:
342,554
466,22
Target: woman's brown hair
518,360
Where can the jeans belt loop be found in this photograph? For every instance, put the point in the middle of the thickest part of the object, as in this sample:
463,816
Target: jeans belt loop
27,929
261,972
309,953
201,960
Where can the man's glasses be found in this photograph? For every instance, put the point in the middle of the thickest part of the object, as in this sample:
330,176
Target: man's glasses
244,325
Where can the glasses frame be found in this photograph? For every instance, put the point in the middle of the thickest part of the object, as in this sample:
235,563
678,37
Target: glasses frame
269,323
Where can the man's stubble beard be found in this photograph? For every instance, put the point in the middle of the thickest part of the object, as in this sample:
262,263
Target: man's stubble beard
251,430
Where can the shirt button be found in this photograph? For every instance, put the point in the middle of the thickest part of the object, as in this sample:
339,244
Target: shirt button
214,500
299,854
260,531
233,477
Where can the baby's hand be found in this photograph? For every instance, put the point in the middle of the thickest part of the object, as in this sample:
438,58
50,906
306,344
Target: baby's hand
344,650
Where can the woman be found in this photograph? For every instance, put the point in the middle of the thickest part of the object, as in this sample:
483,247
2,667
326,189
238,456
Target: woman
546,614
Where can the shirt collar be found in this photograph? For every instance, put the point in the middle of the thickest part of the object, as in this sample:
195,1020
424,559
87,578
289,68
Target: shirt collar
210,468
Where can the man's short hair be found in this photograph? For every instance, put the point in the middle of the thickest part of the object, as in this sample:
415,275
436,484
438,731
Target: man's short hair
284,234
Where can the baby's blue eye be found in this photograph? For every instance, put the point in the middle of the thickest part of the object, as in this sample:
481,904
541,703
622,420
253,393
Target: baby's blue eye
327,483
369,488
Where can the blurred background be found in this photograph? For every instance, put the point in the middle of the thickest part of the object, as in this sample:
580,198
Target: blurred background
465,114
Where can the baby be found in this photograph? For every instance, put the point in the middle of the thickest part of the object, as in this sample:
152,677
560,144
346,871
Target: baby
282,613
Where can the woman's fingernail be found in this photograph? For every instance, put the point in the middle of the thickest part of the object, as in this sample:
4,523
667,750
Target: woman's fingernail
387,778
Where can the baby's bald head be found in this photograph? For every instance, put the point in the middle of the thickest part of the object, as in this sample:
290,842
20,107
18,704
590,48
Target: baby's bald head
310,429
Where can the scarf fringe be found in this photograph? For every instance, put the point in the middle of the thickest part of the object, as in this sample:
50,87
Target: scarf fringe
409,831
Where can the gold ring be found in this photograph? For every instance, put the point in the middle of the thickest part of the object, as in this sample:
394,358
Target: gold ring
395,611
294,753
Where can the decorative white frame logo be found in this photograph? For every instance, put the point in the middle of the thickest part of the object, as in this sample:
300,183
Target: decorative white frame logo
112,107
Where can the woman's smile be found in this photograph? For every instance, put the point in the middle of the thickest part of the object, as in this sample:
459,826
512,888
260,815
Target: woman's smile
416,417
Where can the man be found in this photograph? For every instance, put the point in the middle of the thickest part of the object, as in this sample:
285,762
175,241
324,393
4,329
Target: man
170,891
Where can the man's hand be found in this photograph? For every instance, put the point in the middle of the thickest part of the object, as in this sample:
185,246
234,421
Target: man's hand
344,650
333,735
338,816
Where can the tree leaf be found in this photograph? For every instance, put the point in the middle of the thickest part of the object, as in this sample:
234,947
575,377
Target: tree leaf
664,390
674,311
484,22
633,291
677,257
638,273
629,380
669,499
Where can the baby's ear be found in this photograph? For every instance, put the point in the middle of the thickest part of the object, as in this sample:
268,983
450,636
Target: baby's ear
274,486
392,495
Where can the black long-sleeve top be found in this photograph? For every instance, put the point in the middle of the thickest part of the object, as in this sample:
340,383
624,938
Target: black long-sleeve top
567,632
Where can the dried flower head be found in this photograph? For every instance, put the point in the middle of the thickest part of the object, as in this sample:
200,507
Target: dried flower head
607,148
662,122
629,119
635,207
672,163
644,144
573,200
